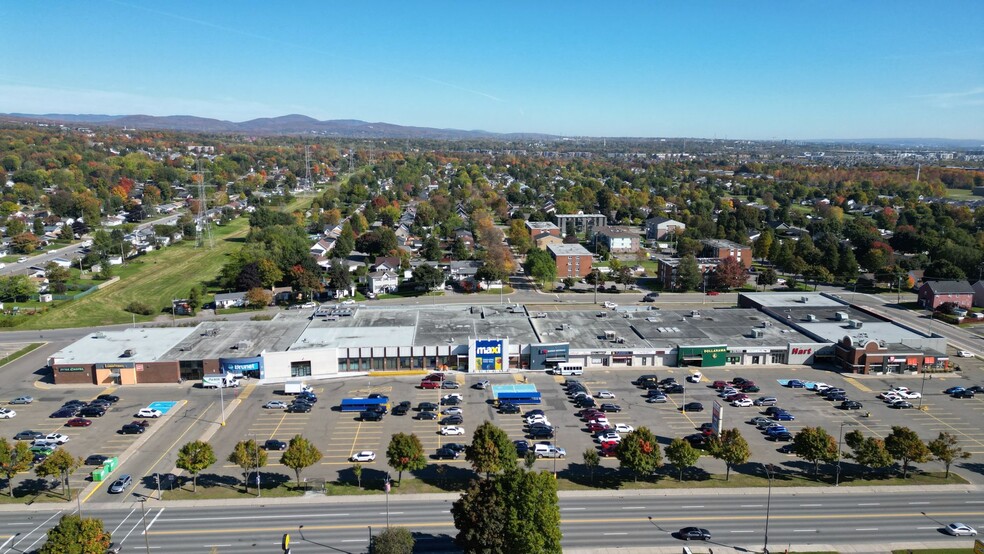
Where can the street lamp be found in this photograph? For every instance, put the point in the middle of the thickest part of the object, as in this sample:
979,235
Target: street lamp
256,459
769,471
143,504
840,438
222,399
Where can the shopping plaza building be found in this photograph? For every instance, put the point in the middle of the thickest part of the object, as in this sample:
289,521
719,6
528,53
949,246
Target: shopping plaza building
330,341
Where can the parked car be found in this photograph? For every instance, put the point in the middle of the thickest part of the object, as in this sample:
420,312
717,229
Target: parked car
742,402
481,385
901,404
371,415
795,384
952,390
427,407
624,428
299,408
149,412
401,409
28,436
540,433
693,407
22,400
454,410
452,430
121,484
453,420
761,421
675,388
430,384
604,394
766,401
7,413
966,393
783,416
450,385
657,399
132,429
65,413
426,415
611,408
508,408
78,422
851,405
445,453
111,398
96,460
522,447
782,436
364,456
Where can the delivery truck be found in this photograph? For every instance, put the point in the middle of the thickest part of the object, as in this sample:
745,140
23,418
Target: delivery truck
216,381
296,387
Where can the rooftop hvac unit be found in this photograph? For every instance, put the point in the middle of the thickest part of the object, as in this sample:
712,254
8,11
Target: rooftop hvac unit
766,324
842,316
609,335
811,317
757,333
804,299
854,324
129,353
694,313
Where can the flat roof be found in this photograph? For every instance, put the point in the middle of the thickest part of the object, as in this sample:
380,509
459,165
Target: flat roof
568,250
147,344
235,339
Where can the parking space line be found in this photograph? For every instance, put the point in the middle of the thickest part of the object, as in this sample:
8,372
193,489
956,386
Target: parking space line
857,384
247,391
952,428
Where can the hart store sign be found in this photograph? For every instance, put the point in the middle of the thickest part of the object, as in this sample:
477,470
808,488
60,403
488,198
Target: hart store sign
802,351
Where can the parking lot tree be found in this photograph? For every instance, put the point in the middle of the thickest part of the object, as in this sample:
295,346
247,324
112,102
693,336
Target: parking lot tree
689,275
76,535
731,448
681,455
195,457
300,454
491,450
248,455
61,464
591,461
529,460
867,452
357,471
405,453
394,540
815,445
905,446
639,452
14,458
945,449
516,512
428,276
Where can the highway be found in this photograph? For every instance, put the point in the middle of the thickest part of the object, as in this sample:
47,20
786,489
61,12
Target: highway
816,519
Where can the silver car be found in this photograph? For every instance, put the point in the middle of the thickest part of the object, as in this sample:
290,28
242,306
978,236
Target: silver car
121,484
22,400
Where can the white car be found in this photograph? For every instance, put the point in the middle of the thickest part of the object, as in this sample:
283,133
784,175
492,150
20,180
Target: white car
743,403
56,438
909,395
965,354
728,391
624,428
364,456
891,397
960,530
605,394
149,412
275,405
900,389
454,395
452,430
694,377
610,305
600,419
537,419
452,411
820,387
348,302
7,413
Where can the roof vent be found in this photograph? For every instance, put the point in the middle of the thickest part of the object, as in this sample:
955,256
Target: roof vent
841,316
854,324
129,352
757,333
811,317
804,299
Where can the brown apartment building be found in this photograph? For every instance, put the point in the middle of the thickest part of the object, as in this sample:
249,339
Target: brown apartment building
573,260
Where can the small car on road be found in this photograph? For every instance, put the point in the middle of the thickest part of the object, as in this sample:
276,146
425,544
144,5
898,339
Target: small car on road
22,400
120,484
694,533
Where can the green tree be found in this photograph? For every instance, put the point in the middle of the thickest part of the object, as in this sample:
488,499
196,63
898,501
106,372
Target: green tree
339,276
688,274
905,446
516,512
431,251
815,445
357,471
14,458
428,276
491,450
763,244
681,455
393,540
945,449
300,454
731,448
405,453
62,464
249,456
869,453
75,535
591,461
540,266
767,277
195,457
345,242
529,459
57,276
16,287
639,452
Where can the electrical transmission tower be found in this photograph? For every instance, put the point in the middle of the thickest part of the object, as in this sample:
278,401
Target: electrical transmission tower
203,228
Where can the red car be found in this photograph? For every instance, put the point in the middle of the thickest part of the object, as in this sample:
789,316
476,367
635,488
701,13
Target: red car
713,293
608,449
78,422
719,385
595,427
746,385
592,414
736,396
434,377
430,384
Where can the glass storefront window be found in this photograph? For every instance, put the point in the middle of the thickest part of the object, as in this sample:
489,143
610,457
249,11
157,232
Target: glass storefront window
300,369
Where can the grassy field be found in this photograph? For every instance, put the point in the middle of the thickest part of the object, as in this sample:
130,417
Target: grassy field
27,349
155,278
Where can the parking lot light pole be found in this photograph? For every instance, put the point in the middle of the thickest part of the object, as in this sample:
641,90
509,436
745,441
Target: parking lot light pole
769,471
922,387
143,504
256,454
840,438
222,401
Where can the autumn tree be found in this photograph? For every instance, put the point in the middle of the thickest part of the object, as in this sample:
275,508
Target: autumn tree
62,464
945,449
491,450
248,455
300,454
731,448
14,458
905,446
195,457
258,298
639,452
75,535
405,453
591,461
681,455
868,452
815,445
729,274
392,540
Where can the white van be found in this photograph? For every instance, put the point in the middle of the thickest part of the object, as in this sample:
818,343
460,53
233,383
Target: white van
569,369
548,451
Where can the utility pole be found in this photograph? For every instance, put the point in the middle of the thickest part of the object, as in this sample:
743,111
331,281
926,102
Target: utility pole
143,505
840,438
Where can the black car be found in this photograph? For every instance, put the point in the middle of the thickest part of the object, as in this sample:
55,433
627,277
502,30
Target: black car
696,440
611,408
976,389
427,407
675,388
541,433
112,399
522,447
453,420
585,402
966,393
456,446
445,453
534,412
654,392
773,410
787,449
450,401
782,436
668,381
400,409
92,411
307,397
508,408
371,415
28,436
643,378
838,397
694,533
96,460
851,405
650,385
71,403
299,408
693,407
132,429
65,413
427,415
274,444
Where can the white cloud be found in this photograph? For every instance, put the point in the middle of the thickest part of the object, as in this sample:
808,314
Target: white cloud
957,99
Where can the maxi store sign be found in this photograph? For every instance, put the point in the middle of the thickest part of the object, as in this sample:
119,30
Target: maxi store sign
489,355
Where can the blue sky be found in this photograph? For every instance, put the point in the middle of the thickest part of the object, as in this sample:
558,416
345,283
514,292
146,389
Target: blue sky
716,69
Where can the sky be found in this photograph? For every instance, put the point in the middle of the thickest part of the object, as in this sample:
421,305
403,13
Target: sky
711,69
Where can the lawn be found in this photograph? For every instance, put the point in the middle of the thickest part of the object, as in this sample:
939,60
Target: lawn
155,278
23,351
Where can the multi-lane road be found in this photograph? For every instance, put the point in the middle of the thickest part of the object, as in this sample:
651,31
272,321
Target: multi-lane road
813,519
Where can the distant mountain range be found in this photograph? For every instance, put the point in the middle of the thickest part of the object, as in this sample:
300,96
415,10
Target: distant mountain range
293,124
296,124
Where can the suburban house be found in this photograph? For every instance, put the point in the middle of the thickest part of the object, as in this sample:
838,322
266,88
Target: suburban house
386,263
323,247
662,228
668,269
465,237
720,248
573,260
933,293
618,240
230,300
463,272
382,281
979,293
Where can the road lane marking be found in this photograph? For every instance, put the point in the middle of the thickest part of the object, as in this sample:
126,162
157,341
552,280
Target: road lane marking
916,503
810,505
686,507
152,522
804,530
869,504
237,518
31,532
608,534
750,506
867,529
633,507
571,509
743,531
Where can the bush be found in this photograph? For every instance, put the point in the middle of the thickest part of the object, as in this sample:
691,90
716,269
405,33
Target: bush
140,308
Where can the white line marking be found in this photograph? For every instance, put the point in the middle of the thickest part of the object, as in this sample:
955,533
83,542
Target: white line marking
750,506
974,502
933,527
914,503
804,530
152,521
870,504
124,521
810,505
867,529
748,531
394,513
685,507
570,509
248,517
607,534
353,540
40,525
216,545
633,507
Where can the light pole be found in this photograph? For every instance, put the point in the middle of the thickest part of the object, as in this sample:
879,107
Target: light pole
386,487
922,387
769,471
143,505
840,438
256,459
222,398
594,285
